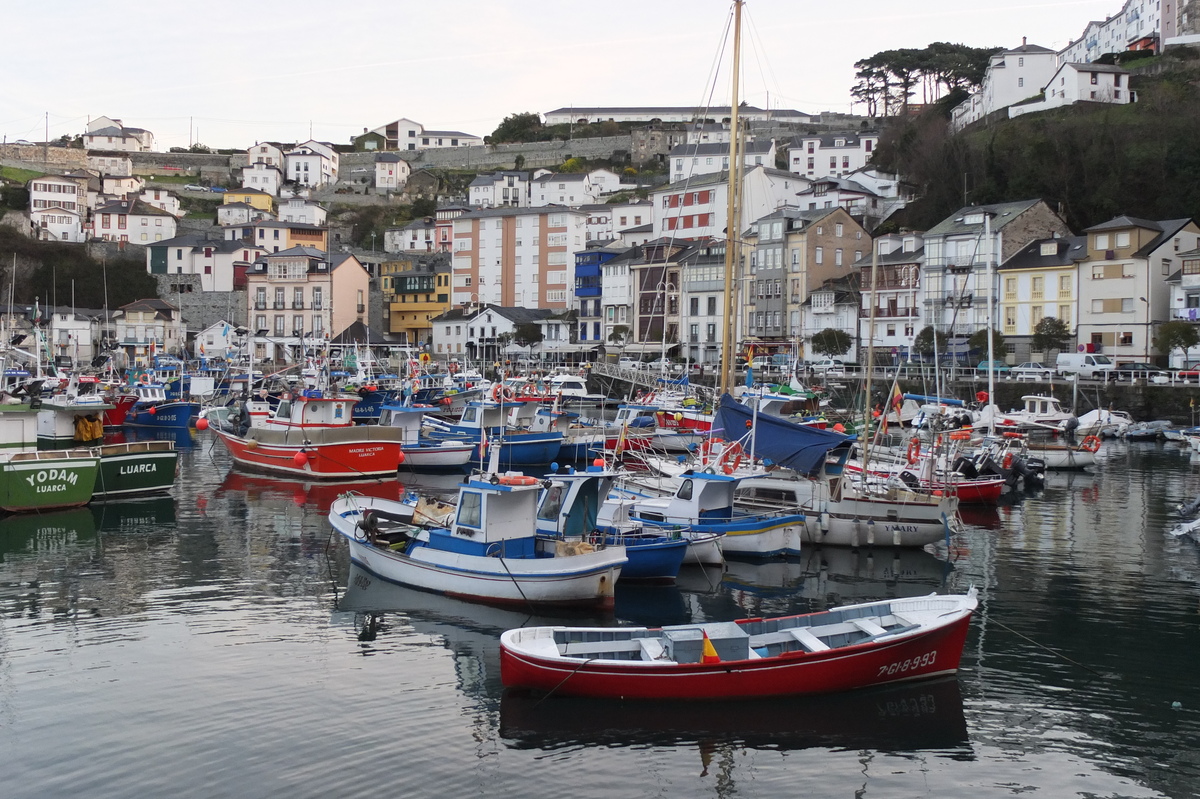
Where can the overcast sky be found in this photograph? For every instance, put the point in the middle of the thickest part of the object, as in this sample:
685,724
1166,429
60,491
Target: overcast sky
229,73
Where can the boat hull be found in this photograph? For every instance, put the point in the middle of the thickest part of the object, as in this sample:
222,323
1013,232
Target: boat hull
166,414
328,456
116,415
136,468
437,456
926,655
37,481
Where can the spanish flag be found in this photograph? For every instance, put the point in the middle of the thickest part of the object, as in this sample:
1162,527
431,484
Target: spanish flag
709,653
897,397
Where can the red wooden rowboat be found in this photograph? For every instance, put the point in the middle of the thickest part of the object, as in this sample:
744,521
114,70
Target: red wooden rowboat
845,648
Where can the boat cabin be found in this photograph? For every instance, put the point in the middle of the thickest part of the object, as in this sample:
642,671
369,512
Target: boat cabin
636,415
71,424
701,497
545,420
406,418
570,505
492,518
307,409
496,415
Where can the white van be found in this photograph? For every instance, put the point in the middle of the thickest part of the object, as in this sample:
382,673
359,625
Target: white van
1084,364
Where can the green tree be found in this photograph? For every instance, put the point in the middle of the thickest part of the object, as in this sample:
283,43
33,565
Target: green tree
979,341
1050,334
924,341
573,165
518,128
831,341
424,206
619,334
1176,335
527,334
518,162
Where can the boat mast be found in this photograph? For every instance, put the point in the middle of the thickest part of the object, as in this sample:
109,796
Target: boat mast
866,428
733,228
987,234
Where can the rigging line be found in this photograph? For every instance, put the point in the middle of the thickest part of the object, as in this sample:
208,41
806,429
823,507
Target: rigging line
760,56
1054,652
564,680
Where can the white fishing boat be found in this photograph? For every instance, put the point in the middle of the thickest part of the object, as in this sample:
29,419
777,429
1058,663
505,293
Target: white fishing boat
489,552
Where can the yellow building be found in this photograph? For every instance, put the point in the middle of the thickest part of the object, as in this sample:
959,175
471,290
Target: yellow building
414,293
259,199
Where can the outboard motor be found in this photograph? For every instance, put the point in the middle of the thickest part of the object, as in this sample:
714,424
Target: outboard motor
1032,471
1069,427
966,467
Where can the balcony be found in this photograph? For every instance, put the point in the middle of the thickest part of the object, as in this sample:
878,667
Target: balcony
362,308
1186,314
280,305
888,313
317,305
297,305
260,305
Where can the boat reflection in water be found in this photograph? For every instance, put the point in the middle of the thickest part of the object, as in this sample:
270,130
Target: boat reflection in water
850,574
318,495
130,517
38,534
907,717
651,605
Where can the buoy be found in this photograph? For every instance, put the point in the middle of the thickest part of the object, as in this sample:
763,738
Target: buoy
400,458
251,444
678,417
839,428
201,424
598,462
300,459
153,410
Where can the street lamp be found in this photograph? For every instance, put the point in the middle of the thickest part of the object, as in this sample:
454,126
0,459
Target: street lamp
663,287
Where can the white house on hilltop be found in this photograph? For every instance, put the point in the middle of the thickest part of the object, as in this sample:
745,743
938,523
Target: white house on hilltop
391,172
1012,76
106,133
311,163
1080,83
831,156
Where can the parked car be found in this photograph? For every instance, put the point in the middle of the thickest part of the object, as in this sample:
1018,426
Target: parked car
828,366
216,189
194,187
1083,364
995,366
1138,371
1032,370
659,364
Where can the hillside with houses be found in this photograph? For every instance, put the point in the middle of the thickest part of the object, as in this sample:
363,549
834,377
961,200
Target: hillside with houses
1040,184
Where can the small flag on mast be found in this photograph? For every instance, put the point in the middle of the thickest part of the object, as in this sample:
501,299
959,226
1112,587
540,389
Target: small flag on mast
709,653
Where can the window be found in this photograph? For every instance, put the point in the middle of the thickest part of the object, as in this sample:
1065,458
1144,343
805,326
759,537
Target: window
1123,239
819,255
469,509
1020,82
712,306
1037,289
837,256
1126,339
1010,288
1064,285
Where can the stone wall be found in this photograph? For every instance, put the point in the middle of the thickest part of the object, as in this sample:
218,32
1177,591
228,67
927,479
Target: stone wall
500,156
199,309
43,159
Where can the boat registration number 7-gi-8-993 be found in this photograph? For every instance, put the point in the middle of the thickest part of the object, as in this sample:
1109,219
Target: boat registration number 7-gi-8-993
901,666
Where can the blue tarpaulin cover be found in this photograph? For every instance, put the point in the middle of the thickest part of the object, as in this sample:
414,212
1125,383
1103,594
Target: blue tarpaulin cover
786,443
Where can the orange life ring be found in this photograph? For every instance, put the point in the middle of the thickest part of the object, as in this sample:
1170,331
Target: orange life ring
517,480
732,455
145,379
914,450
705,450
1091,443
1012,434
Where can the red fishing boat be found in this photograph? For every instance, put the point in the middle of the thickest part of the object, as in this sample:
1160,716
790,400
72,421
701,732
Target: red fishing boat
311,435
841,649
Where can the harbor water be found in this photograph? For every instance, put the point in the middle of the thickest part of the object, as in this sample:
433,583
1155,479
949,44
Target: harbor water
217,643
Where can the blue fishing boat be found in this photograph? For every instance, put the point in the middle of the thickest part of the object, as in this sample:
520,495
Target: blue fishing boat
487,424
154,409
568,508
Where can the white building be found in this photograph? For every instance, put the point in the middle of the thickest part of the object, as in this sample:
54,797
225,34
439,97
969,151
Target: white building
719,114
1139,25
1080,83
692,160
106,133
219,340
132,221
161,198
239,214
298,209
54,223
311,163
264,177
517,256
560,188
391,172
1011,76
58,191
508,189
616,294
832,155
216,262
120,186
268,154
698,207
109,162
